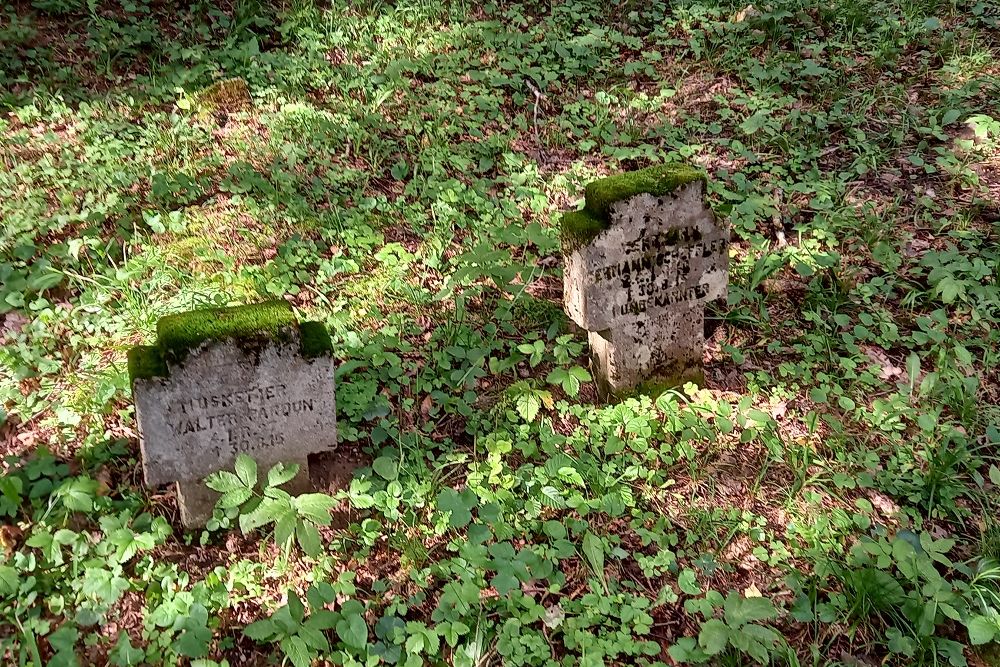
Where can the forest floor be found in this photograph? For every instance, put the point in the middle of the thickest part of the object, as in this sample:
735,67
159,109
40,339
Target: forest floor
397,172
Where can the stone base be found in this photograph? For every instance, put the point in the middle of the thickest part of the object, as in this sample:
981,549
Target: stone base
659,384
197,501
649,357
652,386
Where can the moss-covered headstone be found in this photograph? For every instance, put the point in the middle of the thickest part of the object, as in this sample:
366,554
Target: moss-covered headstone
227,381
641,260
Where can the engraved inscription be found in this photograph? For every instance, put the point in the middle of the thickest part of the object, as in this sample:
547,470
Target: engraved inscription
656,269
662,299
658,259
240,421
224,399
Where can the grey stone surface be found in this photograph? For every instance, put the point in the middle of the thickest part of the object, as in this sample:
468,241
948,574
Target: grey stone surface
639,287
226,398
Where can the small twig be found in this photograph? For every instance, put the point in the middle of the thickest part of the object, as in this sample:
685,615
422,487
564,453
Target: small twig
779,230
539,96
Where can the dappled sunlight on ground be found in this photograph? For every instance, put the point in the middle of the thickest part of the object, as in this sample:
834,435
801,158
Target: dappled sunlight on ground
398,173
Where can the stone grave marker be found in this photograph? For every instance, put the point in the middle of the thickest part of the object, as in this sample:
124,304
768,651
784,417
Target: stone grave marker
224,381
640,261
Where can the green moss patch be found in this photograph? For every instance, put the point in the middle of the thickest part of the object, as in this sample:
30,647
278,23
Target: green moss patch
661,383
315,340
145,362
657,181
579,227
178,334
229,95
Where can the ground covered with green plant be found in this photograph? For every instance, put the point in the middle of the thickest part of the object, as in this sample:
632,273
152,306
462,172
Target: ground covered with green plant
396,171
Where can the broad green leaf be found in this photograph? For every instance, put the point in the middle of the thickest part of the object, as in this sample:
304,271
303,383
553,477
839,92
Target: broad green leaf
78,494
320,594
103,585
950,116
527,405
386,468
741,610
296,609
281,473
284,527
714,636
982,630
818,395
688,583
949,288
260,631
278,494
224,482
504,582
43,280
124,654
324,619
309,540
760,633
284,624
246,470
193,642
683,650
453,631
952,650
593,549
64,638
315,507
811,68
353,631
552,498
571,475
899,643
755,122
8,580
459,504
479,533
267,512
803,269
314,639
554,529
297,651
414,645
234,498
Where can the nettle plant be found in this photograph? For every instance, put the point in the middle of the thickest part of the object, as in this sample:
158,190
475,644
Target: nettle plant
65,575
527,397
320,626
295,518
741,629
906,590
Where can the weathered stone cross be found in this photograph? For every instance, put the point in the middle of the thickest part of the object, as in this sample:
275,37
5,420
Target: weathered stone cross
641,260
222,382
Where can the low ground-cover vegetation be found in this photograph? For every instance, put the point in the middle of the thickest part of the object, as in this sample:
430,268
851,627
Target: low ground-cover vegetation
395,170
